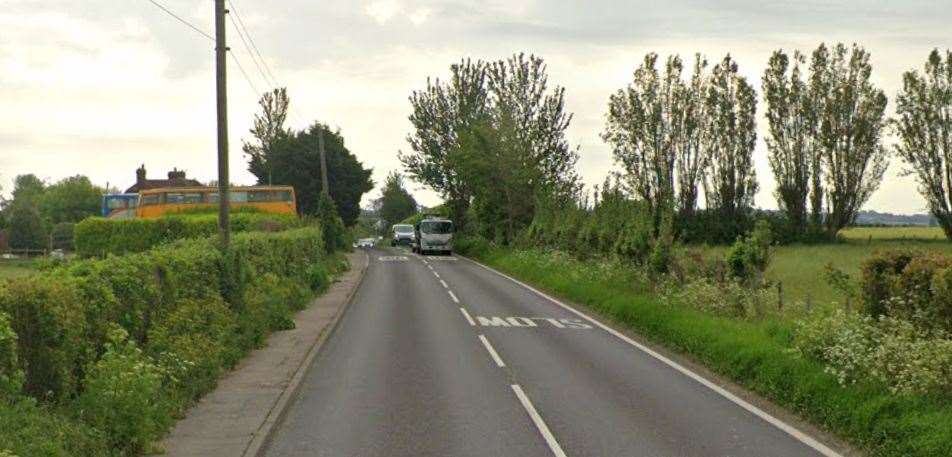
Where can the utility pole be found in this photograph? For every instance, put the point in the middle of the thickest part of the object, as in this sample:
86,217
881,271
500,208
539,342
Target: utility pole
221,54
320,146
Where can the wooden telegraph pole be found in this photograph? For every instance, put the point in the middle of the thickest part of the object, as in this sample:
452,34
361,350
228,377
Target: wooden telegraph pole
320,146
221,54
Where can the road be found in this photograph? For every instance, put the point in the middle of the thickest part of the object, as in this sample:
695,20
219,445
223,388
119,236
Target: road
442,357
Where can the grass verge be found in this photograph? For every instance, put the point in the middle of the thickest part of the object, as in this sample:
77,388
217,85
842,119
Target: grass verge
755,354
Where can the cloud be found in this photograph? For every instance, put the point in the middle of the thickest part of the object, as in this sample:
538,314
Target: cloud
383,10
419,16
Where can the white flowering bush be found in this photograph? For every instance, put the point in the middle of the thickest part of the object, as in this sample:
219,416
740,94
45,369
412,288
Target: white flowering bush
728,298
122,396
890,350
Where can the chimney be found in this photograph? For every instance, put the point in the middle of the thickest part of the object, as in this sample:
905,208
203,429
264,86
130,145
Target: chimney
176,174
140,175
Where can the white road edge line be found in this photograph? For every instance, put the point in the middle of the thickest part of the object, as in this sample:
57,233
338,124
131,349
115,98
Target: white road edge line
539,423
787,428
445,285
469,318
453,296
492,352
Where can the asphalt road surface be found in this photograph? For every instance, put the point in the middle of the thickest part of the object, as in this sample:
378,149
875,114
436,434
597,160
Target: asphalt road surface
441,357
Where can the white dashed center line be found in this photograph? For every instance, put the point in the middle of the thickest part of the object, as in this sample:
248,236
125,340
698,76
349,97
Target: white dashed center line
445,285
492,352
469,318
539,423
453,296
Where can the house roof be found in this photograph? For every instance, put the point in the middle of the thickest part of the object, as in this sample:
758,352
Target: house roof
160,183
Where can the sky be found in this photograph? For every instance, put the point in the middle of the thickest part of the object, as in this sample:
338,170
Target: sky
99,87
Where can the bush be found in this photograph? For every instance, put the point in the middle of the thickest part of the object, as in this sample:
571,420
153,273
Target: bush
193,309
749,257
122,398
194,343
913,286
11,377
888,350
30,430
48,318
728,298
97,237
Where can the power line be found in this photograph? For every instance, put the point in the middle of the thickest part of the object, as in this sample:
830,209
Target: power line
241,69
250,53
180,19
243,31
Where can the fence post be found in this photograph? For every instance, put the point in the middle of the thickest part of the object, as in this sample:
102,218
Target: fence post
780,295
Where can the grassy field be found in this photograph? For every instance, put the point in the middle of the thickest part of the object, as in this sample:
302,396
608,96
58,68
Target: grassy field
16,268
800,268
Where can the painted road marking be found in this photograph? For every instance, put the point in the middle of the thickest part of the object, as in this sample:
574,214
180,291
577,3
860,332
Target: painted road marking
492,352
429,266
436,274
453,296
787,428
528,322
396,258
469,318
445,285
443,258
539,423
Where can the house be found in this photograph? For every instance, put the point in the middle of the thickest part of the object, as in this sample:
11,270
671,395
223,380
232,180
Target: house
176,179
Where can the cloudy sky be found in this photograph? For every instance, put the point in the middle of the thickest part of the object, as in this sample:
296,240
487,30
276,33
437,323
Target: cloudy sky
98,87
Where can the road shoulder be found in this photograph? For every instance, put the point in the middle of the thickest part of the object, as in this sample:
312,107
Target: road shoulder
237,418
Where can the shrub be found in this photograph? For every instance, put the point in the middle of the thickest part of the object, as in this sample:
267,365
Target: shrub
728,298
913,286
48,318
749,257
30,430
122,396
891,351
11,377
194,343
97,237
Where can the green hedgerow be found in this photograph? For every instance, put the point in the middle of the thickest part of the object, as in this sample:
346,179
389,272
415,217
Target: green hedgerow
11,377
122,397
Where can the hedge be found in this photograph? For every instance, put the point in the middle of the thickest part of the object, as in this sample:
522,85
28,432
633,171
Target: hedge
109,351
97,237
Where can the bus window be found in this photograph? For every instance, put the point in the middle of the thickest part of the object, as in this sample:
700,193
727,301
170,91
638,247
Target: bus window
238,197
151,199
282,196
211,197
180,198
260,196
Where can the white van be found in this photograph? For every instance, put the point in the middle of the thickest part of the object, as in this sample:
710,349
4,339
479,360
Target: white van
433,235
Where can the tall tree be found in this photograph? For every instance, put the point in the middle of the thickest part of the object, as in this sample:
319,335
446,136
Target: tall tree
731,181
26,228
439,113
851,117
268,128
395,203
71,199
793,124
924,127
655,128
27,188
294,160
523,106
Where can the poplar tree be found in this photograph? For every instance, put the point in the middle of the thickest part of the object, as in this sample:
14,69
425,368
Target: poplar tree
850,119
731,135
924,127
655,128
792,125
